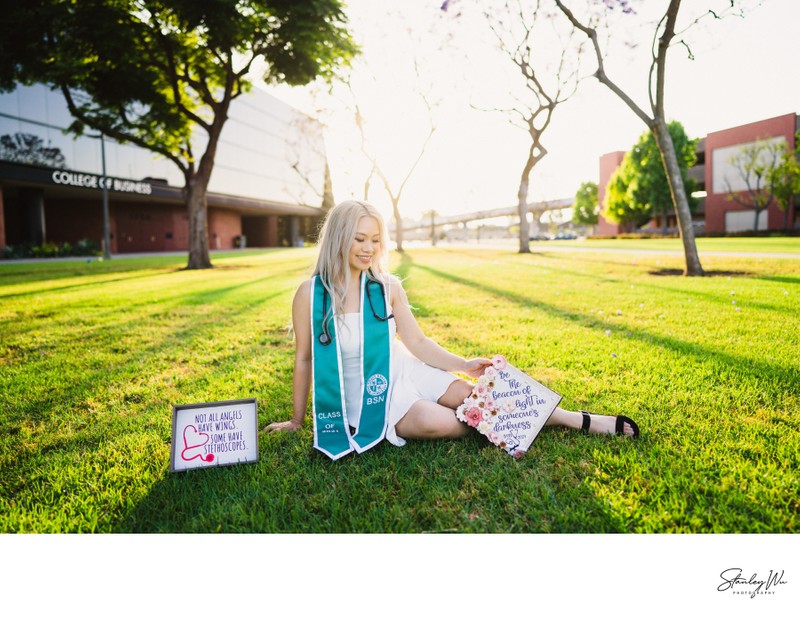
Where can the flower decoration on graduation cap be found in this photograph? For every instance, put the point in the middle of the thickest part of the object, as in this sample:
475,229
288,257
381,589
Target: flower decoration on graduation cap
473,416
499,362
479,409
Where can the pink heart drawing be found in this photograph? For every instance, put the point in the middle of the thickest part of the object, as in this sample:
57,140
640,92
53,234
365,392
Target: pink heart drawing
194,440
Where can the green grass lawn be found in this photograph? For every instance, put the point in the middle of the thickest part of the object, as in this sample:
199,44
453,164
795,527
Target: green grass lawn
94,355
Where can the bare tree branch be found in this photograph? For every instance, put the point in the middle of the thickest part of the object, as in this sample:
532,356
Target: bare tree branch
600,73
111,132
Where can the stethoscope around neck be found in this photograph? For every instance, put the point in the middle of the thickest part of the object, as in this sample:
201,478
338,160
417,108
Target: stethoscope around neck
325,337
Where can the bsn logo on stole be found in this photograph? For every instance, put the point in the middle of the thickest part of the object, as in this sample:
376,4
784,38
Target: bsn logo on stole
376,386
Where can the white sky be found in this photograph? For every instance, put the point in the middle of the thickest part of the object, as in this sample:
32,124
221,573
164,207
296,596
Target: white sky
744,70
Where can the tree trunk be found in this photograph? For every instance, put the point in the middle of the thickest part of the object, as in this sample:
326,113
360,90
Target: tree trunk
522,210
679,199
197,198
398,225
197,206
755,221
327,191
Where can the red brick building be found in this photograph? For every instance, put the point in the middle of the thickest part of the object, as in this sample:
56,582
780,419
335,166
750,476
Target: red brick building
715,212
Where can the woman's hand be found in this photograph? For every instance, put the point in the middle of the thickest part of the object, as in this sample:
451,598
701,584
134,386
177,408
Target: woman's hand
292,425
476,366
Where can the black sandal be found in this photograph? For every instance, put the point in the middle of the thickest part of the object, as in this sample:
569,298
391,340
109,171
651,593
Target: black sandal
620,425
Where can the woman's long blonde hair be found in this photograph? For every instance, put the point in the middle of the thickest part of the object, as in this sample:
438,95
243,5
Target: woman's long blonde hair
335,239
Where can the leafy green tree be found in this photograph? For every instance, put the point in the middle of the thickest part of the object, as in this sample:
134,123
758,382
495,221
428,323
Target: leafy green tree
585,206
619,205
640,189
786,181
151,72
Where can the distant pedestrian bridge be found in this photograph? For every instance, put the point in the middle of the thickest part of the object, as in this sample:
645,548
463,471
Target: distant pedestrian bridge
433,219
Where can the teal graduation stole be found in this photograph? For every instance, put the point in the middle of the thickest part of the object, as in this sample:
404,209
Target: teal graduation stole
331,425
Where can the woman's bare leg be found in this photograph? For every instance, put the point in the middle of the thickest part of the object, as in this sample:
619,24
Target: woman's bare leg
436,420
601,424
429,420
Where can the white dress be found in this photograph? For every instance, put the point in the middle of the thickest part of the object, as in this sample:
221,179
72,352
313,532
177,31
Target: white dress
411,379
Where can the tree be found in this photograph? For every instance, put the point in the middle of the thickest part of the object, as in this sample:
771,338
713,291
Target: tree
305,160
525,35
756,166
641,189
150,73
394,97
432,215
786,181
585,205
619,206
394,190
664,37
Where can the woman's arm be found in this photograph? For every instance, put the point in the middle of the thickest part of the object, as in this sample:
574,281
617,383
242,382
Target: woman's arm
423,347
301,380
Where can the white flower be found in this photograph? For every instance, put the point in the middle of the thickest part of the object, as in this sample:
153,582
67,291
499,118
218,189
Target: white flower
483,380
487,414
484,427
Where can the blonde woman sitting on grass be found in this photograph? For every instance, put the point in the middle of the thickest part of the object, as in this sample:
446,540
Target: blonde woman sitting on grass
375,374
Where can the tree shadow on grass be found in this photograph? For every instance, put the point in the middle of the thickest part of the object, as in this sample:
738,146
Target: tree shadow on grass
459,486
752,367
47,401
781,279
706,273
88,284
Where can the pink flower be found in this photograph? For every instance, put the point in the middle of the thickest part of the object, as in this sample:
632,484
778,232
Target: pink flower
499,362
490,372
481,389
489,403
474,416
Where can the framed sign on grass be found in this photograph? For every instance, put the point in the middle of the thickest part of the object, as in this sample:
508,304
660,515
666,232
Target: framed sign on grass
508,407
214,433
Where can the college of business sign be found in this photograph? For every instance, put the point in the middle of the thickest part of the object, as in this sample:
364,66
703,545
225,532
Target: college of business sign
91,181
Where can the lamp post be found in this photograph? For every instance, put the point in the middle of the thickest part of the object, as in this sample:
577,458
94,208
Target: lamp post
106,221
104,189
